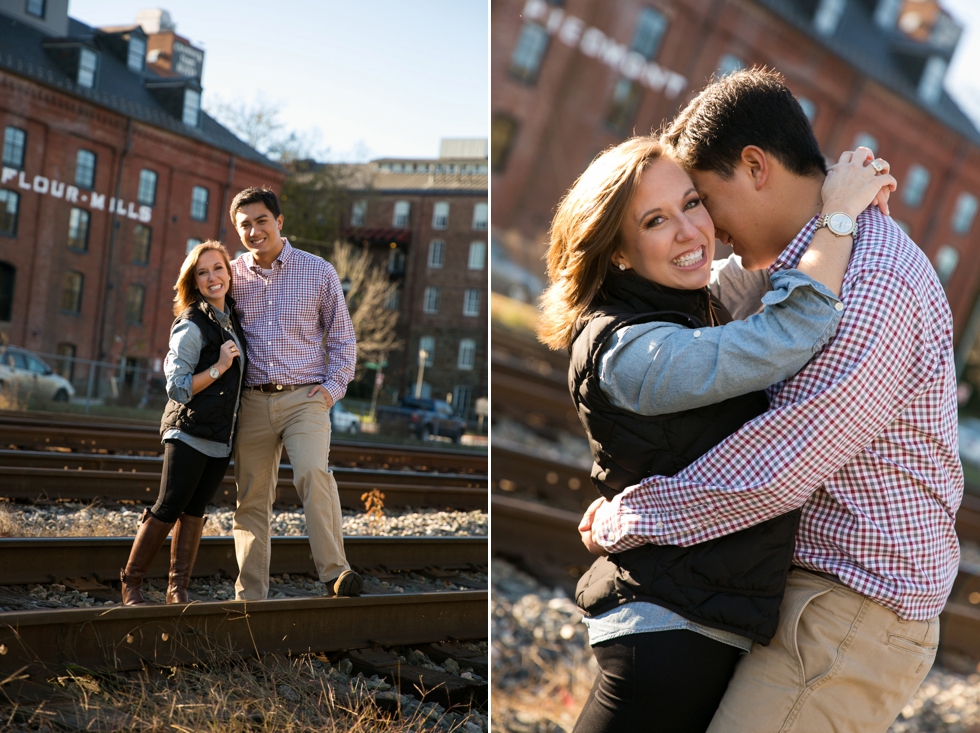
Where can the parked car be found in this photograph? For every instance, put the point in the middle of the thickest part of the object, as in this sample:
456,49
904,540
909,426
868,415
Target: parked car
344,421
423,418
23,375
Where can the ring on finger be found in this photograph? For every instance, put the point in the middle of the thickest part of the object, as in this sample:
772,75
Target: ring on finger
878,165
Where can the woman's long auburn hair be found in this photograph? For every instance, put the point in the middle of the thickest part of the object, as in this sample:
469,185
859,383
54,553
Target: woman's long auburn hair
185,287
586,233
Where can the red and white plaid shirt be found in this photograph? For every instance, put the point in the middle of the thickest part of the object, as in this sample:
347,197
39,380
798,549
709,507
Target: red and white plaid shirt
285,315
864,438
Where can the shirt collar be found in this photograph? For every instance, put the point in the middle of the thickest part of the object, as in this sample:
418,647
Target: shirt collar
790,257
282,259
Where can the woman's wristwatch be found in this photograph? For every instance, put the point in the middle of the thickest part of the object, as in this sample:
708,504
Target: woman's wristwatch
213,371
839,223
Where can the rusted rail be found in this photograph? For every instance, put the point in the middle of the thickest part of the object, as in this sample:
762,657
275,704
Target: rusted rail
522,392
31,431
36,475
116,637
49,559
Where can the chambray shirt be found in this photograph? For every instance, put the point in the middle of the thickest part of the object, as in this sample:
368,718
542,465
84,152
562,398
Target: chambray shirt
656,368
185,350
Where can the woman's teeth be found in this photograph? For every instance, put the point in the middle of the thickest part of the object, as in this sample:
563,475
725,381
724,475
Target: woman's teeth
692,258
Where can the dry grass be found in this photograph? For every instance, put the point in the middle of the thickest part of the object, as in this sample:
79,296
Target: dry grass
551,704
293,695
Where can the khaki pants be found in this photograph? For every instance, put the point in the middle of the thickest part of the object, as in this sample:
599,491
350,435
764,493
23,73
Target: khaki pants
266,423
839,662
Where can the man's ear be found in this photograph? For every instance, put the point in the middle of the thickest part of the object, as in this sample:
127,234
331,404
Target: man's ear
756,162
279,221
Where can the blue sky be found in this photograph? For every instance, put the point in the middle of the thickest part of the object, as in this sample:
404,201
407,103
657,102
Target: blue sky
374,77
961,81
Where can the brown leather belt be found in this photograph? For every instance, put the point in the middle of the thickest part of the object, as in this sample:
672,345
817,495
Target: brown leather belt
275,388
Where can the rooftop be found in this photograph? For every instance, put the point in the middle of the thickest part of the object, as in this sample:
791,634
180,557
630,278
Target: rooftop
27,51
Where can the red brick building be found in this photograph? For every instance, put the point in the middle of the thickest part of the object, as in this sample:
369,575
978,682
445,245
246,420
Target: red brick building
110,172
428,219
572,78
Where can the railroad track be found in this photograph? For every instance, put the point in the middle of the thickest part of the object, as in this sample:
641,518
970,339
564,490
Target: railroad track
121,638
532,395
33,475
545,542
41,431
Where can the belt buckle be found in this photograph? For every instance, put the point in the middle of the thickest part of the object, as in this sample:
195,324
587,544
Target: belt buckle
279,387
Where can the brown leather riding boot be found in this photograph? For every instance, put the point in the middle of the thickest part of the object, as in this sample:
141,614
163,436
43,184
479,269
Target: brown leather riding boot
149,538
183,553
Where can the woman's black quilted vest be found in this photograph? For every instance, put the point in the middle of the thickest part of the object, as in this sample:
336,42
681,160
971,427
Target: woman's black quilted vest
735,582
210,413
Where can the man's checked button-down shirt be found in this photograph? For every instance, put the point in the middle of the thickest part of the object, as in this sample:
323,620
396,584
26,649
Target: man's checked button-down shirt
285,316
864,438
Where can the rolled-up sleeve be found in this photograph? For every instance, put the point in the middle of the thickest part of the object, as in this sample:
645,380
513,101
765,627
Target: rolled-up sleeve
182,358
340,339
657,368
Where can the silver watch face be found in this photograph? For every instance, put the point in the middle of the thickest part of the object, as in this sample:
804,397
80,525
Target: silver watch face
214,372
840,224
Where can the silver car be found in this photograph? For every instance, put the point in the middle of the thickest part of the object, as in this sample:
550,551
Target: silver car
24,375
342,421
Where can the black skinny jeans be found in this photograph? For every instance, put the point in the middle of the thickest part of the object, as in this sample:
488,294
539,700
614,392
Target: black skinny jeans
189,481
657,682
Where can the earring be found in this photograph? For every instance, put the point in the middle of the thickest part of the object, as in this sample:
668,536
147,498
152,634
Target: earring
622,266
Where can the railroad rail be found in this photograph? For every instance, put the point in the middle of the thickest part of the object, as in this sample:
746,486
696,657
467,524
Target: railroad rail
120,638
521,391
39,431
33,475
545,542
523,472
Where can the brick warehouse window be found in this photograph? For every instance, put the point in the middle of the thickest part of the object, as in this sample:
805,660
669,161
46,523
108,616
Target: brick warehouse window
136,56
430,301
88,68
85,169
9,203
947,258
142,236
147,191
916,184
357,213
966,210
36,8
461,399
729,64
135,295
396,262
400,219
478,256
437,254
192,243
467,354
78,223
503,131
71,292
650,29
65,366
199,203
471,302
525,62
809,108
865,140
8,278
440,215
192,107
480,217
14,144
428,345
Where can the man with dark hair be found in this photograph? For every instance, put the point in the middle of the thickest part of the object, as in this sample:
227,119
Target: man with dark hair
301,350
864,438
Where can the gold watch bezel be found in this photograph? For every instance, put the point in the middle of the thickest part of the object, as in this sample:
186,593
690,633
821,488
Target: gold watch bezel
826,220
